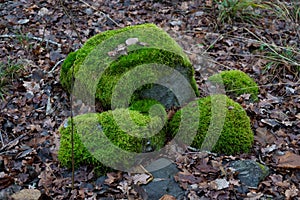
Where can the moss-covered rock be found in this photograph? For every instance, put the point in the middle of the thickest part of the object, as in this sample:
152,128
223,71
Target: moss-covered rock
100,137
237,83
154,46
236,134
145,105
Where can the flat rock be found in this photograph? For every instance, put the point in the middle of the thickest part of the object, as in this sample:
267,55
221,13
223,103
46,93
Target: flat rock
250,173
163,182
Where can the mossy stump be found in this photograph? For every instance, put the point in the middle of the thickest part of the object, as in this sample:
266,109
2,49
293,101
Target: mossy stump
236,83
105,58
236,135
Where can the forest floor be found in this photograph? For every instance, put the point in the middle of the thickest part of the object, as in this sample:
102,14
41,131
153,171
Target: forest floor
36,36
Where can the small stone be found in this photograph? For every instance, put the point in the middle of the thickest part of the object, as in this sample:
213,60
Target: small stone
199,13
43,11
131,41
289,90
29,95
219,184
250,173
176,23
88,11
165,183
23,21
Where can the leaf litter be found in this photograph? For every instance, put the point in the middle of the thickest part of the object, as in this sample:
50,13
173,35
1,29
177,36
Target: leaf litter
34,105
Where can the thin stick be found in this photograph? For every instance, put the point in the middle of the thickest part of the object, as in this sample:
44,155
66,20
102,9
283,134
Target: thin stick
71,99
54,67
267,85
31,37
101,12
72,21
1,139
209,59
273,50
11,142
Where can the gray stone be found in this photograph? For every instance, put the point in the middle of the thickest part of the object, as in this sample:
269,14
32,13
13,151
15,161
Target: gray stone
250,173
176,23
199,13
163,182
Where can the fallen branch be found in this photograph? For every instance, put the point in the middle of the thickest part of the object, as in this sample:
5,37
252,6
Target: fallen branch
12,143
101,12
31,37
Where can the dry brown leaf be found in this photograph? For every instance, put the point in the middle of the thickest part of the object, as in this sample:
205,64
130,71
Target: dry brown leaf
27,194
264,136
167,197
208,3
141,178
289,161
292,192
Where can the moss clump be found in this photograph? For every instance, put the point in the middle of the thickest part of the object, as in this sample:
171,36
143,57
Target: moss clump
99,137
144,105
236,134
159,48
237,83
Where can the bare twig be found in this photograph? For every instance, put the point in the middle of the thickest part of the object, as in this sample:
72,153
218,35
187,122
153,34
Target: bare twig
54,67
72,21
1,139
13,143
101,12
209,59
31,37
267,85
212,44
273,50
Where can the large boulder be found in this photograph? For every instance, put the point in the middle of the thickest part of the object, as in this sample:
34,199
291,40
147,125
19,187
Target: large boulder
109,139
223,125
107,58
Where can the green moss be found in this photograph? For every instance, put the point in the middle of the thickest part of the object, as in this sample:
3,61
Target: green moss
89,137
161,48
265,170
237,83
236,134
144,105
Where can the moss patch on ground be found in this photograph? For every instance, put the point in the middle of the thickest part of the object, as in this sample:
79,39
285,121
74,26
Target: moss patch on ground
237,83
236,134
158,48
99,137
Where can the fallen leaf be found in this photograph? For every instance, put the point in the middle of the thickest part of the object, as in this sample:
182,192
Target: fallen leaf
289,161
270,122
167,197
219,184
27,194
5,180
141,178
292,192
264,136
